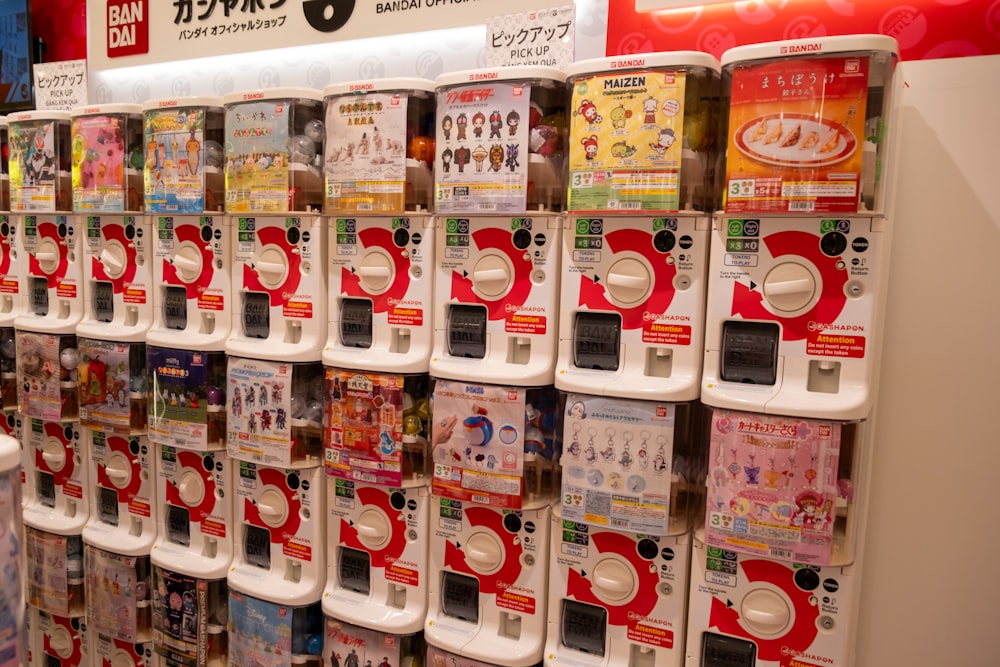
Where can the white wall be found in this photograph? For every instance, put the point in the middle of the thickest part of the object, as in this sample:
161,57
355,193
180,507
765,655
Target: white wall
931,585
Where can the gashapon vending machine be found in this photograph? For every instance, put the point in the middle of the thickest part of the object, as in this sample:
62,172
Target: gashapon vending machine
274,384
13,646
111,378
184,192
12,289
379,182
793,340
56,490
635,254
499,155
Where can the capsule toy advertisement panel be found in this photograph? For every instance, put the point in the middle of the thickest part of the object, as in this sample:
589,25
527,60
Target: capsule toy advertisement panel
366,153
192,266
732,603
183,394
354,646
263,633
107,374
617,463
34,168
796,135
174,161
118,266
99,164
46,384
55,575
478,440
772,486
626,136
180,617
257,155
365,432
488,171
117,594
260,424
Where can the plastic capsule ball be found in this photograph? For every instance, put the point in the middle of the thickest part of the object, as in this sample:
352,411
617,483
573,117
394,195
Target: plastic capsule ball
301,149
214,155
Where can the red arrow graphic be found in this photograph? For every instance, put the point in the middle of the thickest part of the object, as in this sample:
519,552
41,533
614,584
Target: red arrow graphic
376,497
56,430
275,478
594,296
749,304
510,567
4,255
203,510
251,281
49,230
495,238
643,600
798,638
121,445
115,232
190,233
379,237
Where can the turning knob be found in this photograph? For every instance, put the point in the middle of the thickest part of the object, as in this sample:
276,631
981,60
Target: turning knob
273,507
374,528
789,287
191,489
119,470
765,612
613,579
491,275
271,266
375,272
629,280
484,552
187,261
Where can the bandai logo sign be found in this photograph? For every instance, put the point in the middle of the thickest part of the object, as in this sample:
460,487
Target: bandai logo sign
128,27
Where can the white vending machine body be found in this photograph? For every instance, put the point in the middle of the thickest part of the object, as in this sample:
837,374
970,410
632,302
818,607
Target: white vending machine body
57,489
123,509
381,293
54,279
118,274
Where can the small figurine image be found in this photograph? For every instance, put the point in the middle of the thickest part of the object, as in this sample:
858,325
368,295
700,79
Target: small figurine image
479,156
461,124
649,110
618,117
496,124
512,163
588,110
496,157
462,157
446,124
664,141
513,120
446,160
590,146
478,121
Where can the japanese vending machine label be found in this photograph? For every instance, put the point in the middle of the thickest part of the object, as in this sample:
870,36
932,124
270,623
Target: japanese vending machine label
796,134
114,589
260,632
49,559
174,174
103,376
626,139
39,376
365,417
33,166
365,153
99,164
12,576
537,37
481,165
617,460
478,443
772,486
353,646
257,154
180,617
260,407
179,413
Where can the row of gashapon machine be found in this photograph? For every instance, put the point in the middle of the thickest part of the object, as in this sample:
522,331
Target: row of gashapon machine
474,436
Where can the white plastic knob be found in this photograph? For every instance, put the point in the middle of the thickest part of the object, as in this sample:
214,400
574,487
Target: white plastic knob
191,489
187,261
629,280
613,580
271,266
61,641
484,552
119,470
54,454
789,287
375,272
273,507
373,528
765,612
47,255
492,275
113,258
